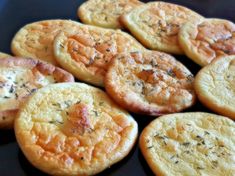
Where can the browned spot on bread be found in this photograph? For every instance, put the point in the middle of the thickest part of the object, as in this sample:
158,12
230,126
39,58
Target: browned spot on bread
78,118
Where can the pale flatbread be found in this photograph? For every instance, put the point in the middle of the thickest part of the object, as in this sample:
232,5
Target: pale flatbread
215,86
190,144
105,13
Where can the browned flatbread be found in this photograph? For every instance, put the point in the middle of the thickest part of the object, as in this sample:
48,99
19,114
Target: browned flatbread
150,83
73,129
19,78
208,39
87,51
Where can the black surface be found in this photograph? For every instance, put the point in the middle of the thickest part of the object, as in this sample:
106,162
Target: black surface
16,13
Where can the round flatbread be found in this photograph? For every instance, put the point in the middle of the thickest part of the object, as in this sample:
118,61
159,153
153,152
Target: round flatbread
87,52
105,13
208,39
215,86
156,24
74,129
4,55
190,144
36,39
150,82
19,78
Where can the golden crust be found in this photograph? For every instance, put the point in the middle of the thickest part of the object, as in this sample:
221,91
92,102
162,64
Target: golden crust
105,13
190,144
19,78
35,40
4,55
150,83
215,88
156,24
208,39
86,52
74,129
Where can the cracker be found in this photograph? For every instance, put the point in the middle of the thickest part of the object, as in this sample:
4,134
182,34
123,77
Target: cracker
105,13
156,24
150,82
208,39
21,77
74,129
190,144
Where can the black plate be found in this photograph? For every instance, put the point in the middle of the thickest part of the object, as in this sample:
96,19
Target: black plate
16,13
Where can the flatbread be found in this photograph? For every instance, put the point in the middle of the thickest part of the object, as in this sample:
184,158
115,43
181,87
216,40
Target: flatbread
86,52
215,86
35,40
190,144
150,82
105,13
208,39
74,129
156,24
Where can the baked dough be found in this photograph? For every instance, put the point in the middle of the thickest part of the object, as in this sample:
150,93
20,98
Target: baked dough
74,129
105,13
190,144
208,39
4,55
150,82
215,86
156,24
35,40
19,78
87,52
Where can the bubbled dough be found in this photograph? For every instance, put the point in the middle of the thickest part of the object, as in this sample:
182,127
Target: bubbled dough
74,129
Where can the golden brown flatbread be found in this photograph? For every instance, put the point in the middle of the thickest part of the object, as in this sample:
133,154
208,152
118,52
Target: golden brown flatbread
150,82
74,129
86,52
208,39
